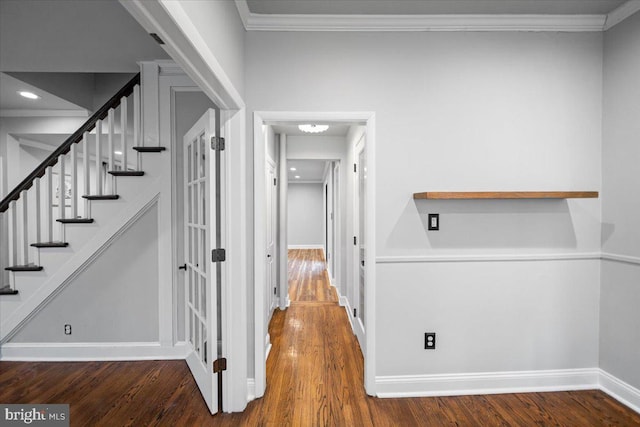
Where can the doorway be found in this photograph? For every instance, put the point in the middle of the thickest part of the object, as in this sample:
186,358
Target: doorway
365,122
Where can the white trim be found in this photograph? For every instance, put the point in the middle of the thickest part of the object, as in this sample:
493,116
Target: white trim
486,383
619,390
43,113
621,258
116,351
621,13
327,22
305,181
306,247
251,389
488,258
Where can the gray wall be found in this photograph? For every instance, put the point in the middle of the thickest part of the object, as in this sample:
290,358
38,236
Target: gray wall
305,215
114,300
68,35
620,288
465,111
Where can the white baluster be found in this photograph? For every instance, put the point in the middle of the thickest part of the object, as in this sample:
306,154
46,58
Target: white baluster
110,133
13,227
85,171
50,203
136,123
61,185
38,227
123,131
74,181
99,157
25,227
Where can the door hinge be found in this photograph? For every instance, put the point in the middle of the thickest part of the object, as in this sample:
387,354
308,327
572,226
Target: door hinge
355,240
217,143
275,180
218,255
354,312
355,168
274,291
219,365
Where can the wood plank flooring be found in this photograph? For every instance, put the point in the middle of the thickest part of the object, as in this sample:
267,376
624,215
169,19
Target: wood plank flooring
314,376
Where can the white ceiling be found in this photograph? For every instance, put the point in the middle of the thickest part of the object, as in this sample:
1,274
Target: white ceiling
307,170
10,100
434,7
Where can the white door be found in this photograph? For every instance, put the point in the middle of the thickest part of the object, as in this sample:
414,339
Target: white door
360,244
200,215
272,218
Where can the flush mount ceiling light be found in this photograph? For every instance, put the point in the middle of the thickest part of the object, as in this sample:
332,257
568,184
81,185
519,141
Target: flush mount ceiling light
117,153
313,128
297,176
292,169
29,95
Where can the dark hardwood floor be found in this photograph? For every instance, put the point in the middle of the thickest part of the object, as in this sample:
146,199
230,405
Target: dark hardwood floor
314,373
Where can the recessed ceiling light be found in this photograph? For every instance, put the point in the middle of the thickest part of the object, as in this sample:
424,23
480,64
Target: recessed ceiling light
297,176
313,128
292,169
119,153
29,95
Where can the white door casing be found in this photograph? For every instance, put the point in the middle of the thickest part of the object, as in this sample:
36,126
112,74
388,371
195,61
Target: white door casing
201,323
272,227
360,248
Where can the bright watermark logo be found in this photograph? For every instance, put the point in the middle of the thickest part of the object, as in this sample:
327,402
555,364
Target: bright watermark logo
37,415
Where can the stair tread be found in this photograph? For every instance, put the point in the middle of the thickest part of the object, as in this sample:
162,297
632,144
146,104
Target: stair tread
101,196
6,290
28,267
152,149
50,245
75,220
126,173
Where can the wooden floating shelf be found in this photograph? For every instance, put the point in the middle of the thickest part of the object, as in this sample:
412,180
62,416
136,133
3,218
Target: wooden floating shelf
468,195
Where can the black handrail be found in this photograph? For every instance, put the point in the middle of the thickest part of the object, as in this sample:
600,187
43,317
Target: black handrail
66,145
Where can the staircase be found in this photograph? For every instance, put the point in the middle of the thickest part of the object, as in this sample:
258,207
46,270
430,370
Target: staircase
69,208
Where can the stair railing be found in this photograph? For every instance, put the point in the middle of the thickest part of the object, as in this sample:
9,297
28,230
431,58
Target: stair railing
56,183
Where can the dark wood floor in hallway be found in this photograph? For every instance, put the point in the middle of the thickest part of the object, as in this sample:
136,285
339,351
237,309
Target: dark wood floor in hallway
314,376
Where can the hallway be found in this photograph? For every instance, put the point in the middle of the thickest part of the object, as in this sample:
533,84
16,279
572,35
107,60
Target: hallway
314,378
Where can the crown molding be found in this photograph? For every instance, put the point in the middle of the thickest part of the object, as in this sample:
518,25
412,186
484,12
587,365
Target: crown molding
309,22
621,13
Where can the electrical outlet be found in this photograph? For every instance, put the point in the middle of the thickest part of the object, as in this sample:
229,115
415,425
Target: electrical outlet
429,340
433,222
67,329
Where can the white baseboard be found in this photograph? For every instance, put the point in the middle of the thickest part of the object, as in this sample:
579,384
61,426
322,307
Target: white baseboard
619,390
486,383
76,352
305,247
251,389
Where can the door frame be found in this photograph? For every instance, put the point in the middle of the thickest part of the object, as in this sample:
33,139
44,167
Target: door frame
169,21
358,326
259,149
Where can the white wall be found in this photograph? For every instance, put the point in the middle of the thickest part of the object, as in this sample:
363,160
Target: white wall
305,216
221,29
114,300
620,288
465,111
